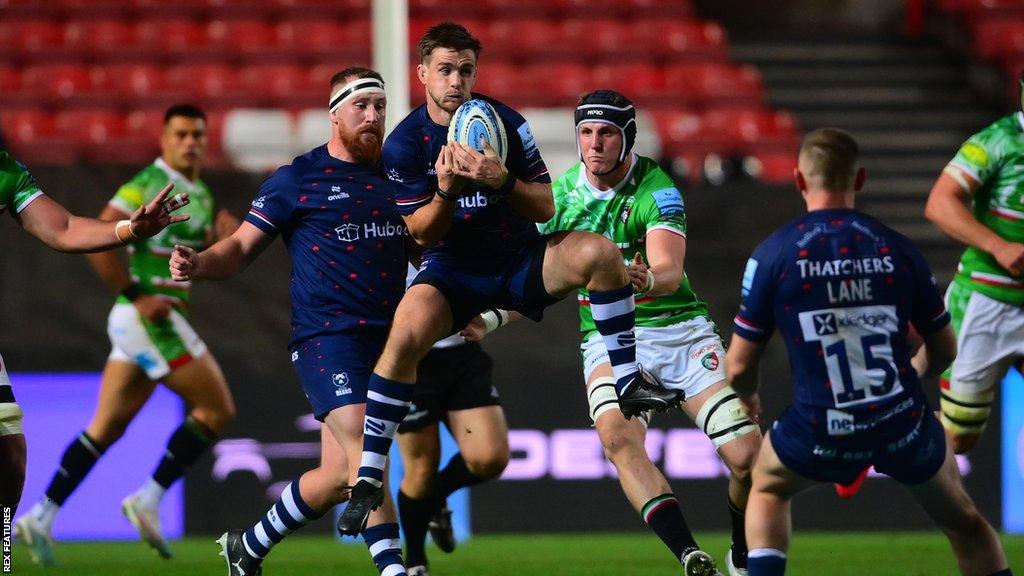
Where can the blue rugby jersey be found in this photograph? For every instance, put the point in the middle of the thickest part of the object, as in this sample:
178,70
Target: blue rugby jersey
345,238
484,227
841,287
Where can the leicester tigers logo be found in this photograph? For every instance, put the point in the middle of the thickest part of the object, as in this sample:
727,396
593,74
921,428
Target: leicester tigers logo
710,361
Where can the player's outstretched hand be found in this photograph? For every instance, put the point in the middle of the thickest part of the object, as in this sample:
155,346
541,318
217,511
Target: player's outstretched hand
475,330
1010,256
151,218
485,169
183,263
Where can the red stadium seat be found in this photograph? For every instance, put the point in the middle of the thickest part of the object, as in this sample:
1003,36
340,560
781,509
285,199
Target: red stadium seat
680,39
103,37
10,81
773,167
35,36
593,39
170,36
701,84
642,83
504,82
32,137
997,39
91,126
285,85
61,81
213,83
146,122
564,82
240,36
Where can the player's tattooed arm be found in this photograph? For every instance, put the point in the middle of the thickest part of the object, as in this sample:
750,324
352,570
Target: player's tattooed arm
947,208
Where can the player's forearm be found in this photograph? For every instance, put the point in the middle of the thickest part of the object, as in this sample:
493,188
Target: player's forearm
666,279
79,234
532,200
936,355
225,259
955,219
109,267
741,363
429,224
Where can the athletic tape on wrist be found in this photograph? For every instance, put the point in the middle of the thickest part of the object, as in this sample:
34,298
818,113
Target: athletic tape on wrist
354,88
117,231
494,318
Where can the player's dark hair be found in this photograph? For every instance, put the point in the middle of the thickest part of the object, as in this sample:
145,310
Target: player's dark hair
832,155
448,35
186,110
354,72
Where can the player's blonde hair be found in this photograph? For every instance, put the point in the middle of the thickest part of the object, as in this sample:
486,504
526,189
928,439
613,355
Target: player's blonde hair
830,157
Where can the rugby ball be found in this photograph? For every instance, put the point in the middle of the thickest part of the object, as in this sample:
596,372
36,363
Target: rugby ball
476,121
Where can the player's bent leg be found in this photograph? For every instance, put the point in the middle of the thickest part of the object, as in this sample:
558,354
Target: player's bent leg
482,436
768,519
380,529
964,415
642,482
124,390
302,501
423,317
421,455
201,384
974,541
577,259
13,453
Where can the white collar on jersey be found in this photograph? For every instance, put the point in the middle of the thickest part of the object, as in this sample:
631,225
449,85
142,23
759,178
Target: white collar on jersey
179,179
611,192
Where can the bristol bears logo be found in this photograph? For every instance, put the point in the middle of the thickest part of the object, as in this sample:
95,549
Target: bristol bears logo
710,361
825,324
341,382
348,232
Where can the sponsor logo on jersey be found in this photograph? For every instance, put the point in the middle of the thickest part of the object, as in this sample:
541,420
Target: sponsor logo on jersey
337,194
341,383
354,232
748,276
839,423
710,361
845,267
394,176
975,154
258,203
295,356
478,200
825,324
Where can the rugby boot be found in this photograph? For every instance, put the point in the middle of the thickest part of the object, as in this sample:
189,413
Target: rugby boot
730,564
441,531
364,499
644,392
418,571
38,539
697,562
850,490
239,562
146,521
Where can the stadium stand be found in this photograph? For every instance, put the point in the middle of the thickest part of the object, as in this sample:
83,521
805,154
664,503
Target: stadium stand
113,59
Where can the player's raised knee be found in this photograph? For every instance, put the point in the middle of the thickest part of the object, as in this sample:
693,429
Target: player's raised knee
488,466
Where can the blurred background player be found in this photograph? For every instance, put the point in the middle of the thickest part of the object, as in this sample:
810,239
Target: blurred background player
453,385
844,291
151,342
476,216
52,225
629,199
979,200
335,211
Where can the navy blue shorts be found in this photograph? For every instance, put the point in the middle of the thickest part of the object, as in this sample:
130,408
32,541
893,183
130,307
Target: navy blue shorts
909,449
448,380
473,286
335,369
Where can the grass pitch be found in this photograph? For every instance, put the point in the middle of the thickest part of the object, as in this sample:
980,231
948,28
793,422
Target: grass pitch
835,554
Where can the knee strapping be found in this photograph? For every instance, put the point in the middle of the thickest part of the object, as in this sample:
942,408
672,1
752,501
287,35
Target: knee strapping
601,397
723,418
966,413
10,419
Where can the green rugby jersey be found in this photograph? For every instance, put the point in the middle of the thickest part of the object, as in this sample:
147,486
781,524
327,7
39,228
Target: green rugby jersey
995,157
147,258
645,200
17,186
